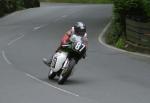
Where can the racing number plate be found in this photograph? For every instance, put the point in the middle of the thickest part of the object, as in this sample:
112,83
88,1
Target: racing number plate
79,46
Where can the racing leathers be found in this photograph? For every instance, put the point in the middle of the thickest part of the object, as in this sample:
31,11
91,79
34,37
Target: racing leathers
64,40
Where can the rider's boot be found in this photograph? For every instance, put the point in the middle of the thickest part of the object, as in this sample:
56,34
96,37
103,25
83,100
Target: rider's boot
47,61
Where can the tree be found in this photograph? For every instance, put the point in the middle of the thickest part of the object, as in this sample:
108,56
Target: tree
134,9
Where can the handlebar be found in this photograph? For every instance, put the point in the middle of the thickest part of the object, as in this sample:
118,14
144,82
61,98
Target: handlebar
65,45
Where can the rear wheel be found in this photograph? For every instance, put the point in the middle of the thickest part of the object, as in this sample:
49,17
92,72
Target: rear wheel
51,74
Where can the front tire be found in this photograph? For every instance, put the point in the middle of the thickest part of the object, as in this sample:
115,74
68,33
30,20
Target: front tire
51,74
66,72
61,79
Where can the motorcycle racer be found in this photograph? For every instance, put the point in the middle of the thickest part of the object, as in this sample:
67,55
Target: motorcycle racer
78,29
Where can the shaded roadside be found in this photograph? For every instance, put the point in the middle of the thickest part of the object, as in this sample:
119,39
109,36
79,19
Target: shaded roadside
9,6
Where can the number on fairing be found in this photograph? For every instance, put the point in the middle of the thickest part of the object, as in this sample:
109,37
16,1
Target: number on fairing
79,46
83,46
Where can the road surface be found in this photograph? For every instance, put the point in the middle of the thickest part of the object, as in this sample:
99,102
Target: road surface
105,76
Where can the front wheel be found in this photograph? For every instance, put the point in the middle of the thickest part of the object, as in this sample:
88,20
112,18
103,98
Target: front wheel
61,79
51,74
66,72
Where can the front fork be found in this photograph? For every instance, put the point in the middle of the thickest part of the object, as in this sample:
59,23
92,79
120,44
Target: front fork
65,67
66,63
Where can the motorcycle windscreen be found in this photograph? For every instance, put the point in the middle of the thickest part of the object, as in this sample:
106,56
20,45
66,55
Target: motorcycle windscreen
58,60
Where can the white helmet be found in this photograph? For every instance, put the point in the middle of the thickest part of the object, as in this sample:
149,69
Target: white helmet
80,28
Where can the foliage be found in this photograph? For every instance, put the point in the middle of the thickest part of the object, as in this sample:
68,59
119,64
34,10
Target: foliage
2,8
147,7
31,3
130,7
8,6
134,9
80,1
110,38
120,43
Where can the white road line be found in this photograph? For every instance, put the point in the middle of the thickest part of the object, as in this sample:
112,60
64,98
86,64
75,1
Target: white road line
64,16
5,58
38,27
102,41
100,38
11,42
62,90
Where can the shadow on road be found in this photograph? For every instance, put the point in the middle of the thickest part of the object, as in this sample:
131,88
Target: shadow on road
70,81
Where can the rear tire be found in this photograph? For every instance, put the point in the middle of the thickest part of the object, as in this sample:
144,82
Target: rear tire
51,74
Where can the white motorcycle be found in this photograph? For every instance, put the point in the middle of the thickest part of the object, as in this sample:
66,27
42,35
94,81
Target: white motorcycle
64,60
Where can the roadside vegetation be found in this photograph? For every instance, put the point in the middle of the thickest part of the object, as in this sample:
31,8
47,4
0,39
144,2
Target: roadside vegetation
78,1
138,10
8,6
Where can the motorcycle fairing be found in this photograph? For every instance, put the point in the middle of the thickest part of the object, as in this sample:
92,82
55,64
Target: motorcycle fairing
58,61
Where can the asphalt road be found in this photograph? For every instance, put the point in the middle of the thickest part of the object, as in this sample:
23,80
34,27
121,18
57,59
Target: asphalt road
105,76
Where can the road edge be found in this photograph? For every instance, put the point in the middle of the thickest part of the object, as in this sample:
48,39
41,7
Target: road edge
101,39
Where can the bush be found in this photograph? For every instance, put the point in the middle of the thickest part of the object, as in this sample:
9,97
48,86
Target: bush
147,7
120,43
131,7
8,6
31,3
11,5
2,8
135,9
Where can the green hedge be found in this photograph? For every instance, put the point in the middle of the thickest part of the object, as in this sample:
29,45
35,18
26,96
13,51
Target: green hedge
80,1
31,3
147,7
2,8
8,6
135,9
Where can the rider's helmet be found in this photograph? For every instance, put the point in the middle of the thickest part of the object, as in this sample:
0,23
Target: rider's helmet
80,28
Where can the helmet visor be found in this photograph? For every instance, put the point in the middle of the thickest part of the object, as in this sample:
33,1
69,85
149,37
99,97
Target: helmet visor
80,31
